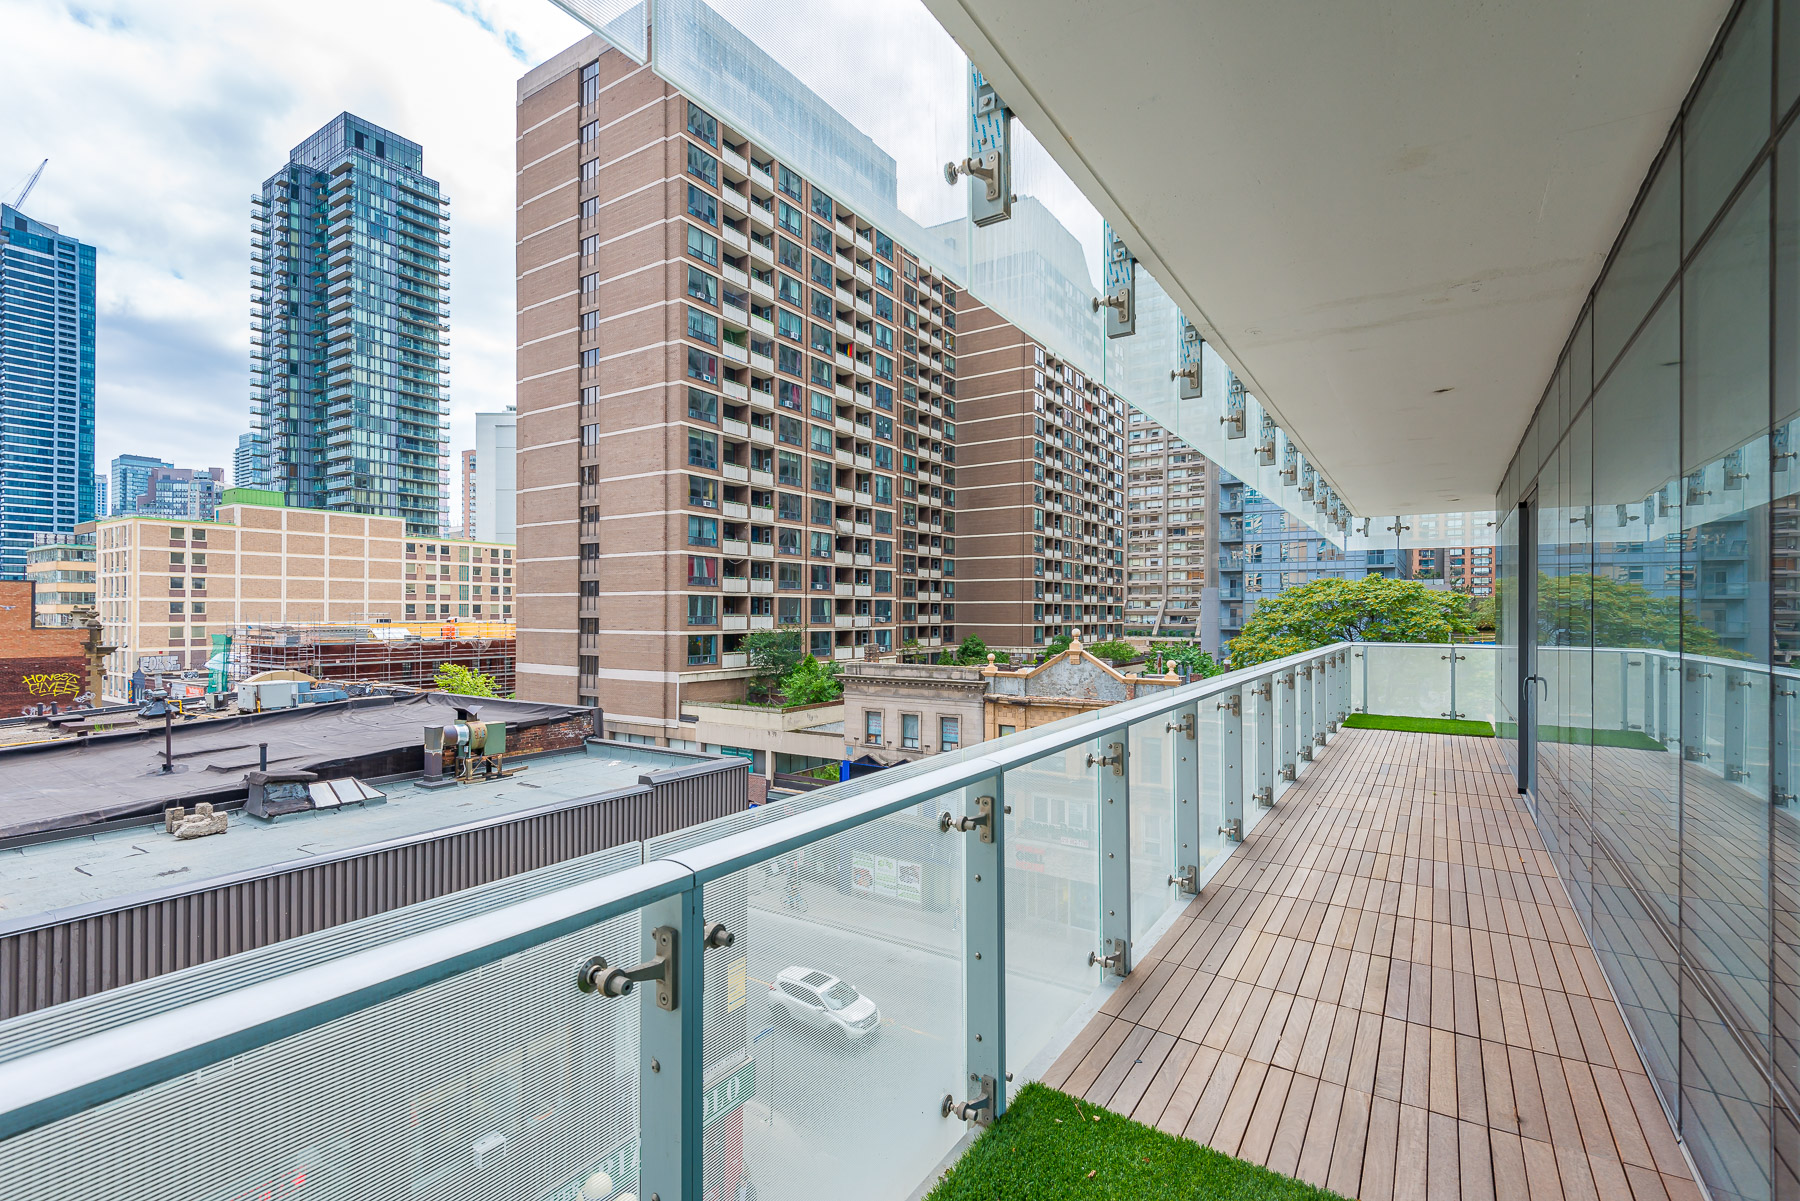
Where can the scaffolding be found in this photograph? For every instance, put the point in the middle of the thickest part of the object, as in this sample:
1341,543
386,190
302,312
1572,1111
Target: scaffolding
382,654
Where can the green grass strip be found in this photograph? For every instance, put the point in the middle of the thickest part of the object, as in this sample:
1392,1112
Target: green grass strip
1630,740
1049,1145
1420,725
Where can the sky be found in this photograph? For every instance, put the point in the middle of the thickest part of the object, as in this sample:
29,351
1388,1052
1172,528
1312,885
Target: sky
161,120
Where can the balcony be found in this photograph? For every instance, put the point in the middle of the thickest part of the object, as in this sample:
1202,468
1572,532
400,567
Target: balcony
1373,982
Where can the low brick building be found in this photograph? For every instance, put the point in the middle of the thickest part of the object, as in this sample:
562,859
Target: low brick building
38,664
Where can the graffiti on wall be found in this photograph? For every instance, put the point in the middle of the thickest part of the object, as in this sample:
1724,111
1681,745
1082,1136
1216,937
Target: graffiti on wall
26,684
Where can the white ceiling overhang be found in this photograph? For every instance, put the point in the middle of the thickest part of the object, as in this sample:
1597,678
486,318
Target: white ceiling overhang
1384,216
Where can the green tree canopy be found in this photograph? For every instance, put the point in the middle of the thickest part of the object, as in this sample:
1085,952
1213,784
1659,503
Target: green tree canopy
1185,656
1115,651
454,677
972,653
1371,609
811,682
773,653
1593,610
1057,646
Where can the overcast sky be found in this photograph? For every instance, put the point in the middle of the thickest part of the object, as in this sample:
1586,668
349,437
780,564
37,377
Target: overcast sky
161,118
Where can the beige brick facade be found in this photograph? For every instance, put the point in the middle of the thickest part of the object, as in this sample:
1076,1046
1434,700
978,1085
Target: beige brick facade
165,586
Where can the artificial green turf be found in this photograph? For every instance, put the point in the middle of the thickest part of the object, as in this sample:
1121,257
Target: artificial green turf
1419,725
1048,1146
1631,740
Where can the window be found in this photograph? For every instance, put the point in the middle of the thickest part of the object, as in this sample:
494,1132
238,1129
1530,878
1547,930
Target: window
787,468
821,440
788,182
703,449
790,256
590,282
703,327
790,218
821,204
590,131
700,123
949,731
590,169
702,245
702,492
702,286
703,406
822,273
703,205
790,291
821,475
702,572
821,239
702,649
787,394
590,245
703,610
789,325
590,83
823,340
1005,730
909,731
702,366
872,727
821,544
703,166
787,541
788,507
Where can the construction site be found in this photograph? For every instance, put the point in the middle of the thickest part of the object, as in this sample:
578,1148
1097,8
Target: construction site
380,653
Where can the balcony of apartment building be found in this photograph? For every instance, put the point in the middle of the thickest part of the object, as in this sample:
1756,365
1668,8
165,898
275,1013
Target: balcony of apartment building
1343,954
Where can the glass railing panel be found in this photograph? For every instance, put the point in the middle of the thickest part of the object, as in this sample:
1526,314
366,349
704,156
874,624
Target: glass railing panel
834,1023
1052,901
624,23
505,1082
1406,681
159,994
1152,780
1475,682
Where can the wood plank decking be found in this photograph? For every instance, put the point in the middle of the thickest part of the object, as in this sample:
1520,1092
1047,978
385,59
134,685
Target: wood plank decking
1386,992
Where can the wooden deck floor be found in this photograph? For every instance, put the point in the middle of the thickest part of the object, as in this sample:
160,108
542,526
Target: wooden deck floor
1385,992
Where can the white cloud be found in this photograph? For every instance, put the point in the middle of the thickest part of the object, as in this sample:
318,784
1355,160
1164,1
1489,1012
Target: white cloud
161,119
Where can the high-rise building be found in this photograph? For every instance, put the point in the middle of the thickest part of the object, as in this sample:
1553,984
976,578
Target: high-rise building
1467,569
1263,550
350,356
46,384
100,509
130,476
467,491
189,492
61,567
1040,483
250,462
495,485
733,409
1170,490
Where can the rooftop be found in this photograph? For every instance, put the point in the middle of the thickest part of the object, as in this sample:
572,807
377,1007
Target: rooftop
83,869
63,781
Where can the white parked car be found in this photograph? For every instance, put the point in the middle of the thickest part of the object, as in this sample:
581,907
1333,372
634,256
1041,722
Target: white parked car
809,999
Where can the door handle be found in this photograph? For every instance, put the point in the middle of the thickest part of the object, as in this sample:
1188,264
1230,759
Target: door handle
1541,682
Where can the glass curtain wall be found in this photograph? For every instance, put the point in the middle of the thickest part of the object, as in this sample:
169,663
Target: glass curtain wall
1651,630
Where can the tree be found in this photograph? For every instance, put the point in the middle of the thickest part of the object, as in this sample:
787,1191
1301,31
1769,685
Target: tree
1057,646
972,653
454,677
811,682
1184,656
1371,609
1115,651
773,654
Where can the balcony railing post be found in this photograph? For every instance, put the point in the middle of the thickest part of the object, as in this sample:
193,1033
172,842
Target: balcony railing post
1362,705
1286,733
1231,763
1668,711
984,939
671,1067
1184,739
1264,691
1693,712
1737,684
1114,767
1303,711
1343,697
1321,690
1454,712
1329,697
1781,706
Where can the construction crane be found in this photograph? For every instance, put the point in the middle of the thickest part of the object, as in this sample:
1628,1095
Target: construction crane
31,183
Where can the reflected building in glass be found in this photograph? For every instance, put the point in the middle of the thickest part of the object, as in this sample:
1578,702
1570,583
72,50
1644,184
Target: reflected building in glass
1650,586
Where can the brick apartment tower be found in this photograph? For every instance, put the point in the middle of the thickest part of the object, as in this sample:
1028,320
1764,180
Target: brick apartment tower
1170,493
735,402
1041,548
